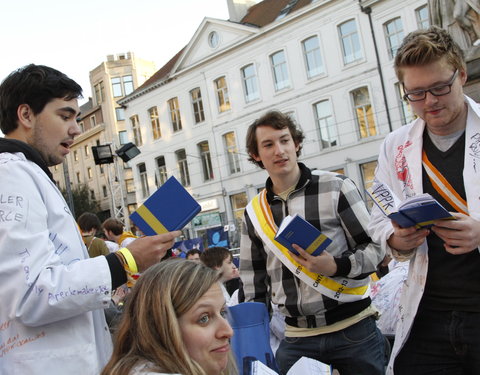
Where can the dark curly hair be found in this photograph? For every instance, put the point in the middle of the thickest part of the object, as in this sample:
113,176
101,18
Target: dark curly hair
276,120
35,85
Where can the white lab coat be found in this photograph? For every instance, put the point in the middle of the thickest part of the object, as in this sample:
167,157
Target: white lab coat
400,167
52,295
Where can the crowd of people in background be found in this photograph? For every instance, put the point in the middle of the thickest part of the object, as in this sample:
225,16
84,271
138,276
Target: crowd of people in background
381,298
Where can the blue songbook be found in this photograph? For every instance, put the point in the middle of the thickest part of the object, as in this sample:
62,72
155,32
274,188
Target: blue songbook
420,210
171,207
296,230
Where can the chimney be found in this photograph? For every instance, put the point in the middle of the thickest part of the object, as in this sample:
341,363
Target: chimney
237,9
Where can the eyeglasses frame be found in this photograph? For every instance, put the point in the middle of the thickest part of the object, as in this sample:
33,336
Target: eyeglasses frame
449,84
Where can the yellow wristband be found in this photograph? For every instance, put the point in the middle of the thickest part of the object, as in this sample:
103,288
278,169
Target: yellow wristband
132,265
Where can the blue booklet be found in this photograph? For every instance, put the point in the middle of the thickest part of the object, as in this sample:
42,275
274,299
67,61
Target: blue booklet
296,230
171,207
419,210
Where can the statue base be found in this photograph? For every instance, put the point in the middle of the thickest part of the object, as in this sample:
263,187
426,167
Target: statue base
472,86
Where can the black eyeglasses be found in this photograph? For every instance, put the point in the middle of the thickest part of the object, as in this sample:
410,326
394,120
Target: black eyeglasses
416,96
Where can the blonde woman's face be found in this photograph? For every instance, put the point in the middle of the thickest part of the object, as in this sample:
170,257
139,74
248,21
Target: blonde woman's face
206,332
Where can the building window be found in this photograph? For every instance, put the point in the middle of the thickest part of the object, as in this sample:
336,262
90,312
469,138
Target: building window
99,92
204,151
120,113
117,87
222,94
101,169
86,150
122,86
421,14
161,176
313,57
155,122
127,85
89,173
129,185
183,167
250,84
406,111
232,152
280,71
197,105
137,134
75,155
213,39
81,125
364,112
92,194
368,177
105,191
239,202
142,172
350,42
325,124
394,35
122,137
174,110
78,177
93,121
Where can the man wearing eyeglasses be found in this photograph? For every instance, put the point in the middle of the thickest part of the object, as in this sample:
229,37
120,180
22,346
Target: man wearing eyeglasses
438,153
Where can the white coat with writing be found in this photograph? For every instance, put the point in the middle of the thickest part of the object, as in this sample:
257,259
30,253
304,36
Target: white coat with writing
52,295
400,167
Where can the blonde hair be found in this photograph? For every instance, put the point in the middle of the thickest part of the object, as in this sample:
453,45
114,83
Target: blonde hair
149,330
423,47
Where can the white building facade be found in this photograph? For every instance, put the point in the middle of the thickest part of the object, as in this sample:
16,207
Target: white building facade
314,60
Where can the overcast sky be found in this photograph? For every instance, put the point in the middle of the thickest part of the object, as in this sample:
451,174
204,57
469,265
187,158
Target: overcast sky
77,38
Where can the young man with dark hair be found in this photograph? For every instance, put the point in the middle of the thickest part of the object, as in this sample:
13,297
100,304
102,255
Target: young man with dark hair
114,231
438,153
221,259
193,254
53,294
89,225
324,299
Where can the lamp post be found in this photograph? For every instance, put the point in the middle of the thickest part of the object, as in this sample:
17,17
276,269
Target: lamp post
102,154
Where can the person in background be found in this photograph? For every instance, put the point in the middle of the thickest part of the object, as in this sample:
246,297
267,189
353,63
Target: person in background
194,254
174,322
114,231
53,294
438,330
89,225
221,259
324,299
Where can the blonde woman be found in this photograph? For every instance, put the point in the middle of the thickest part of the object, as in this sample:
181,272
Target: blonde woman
174,323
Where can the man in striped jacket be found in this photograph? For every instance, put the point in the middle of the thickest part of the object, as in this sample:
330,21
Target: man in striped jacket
325,299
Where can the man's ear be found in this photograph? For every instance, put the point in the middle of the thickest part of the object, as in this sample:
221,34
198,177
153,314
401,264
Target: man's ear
255,157
25,116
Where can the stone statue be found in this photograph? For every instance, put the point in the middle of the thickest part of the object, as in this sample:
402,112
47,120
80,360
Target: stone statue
461,18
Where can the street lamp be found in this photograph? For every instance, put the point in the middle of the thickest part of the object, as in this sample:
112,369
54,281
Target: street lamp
102,154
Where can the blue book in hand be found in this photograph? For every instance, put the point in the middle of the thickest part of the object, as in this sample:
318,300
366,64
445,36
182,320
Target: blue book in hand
296,230
171,207
419,210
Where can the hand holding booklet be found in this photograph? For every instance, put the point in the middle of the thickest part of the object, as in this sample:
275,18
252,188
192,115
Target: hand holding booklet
420,210
304,366
296,230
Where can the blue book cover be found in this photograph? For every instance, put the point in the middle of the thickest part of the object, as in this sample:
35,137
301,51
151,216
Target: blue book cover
171,207
419,210
296,230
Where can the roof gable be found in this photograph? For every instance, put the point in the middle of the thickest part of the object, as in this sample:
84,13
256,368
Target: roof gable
201,47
